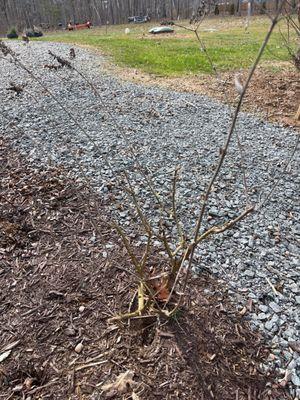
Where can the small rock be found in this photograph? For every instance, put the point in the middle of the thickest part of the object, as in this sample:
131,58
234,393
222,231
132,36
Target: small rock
295,379
263,308
287,355
294,288
262,316
249,273
275,318
295,346
275,307
260,274
251,242
81,309
214,212
289,333
269,325
292,364
79,348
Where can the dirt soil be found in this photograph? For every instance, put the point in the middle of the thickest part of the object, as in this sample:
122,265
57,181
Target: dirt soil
274,96
63,274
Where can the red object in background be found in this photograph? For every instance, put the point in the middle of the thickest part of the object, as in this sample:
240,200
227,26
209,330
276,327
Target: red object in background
79,26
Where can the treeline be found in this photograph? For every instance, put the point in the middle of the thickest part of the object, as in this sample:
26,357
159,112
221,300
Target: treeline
53,13
21,13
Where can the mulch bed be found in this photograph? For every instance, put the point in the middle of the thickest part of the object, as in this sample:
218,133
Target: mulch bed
63,274
274,96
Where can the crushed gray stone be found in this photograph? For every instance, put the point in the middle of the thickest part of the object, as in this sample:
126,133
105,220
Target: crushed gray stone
167,129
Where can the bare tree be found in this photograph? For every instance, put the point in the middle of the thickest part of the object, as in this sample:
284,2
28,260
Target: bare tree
26,13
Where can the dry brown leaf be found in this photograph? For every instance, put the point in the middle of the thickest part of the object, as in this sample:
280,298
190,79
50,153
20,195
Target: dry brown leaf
295,346
161,289
243,311
121,385
28,383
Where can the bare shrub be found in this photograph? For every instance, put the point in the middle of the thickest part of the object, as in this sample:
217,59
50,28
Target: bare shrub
162,285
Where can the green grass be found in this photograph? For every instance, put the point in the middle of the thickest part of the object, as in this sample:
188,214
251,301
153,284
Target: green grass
179,54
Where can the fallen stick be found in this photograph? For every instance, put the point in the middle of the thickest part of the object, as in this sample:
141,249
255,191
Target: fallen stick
272,286
80,367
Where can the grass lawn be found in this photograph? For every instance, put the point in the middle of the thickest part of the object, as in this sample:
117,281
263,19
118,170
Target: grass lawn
178,54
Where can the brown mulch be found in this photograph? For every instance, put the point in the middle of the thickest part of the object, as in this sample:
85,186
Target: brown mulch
274,96
61,280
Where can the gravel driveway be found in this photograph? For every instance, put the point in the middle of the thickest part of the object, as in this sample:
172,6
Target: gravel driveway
167,129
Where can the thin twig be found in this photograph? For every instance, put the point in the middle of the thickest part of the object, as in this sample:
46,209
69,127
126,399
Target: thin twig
263,203
175,216
224,91
226,145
